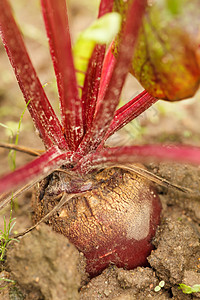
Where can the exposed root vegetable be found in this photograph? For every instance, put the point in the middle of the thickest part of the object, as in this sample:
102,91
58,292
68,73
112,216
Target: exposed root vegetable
113,223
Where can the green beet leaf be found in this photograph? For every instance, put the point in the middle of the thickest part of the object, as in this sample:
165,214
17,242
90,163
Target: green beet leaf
166,59
102,31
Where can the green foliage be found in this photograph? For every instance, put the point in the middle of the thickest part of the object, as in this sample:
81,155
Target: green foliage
12,153
174,6
102,31
189,289
5,238
9,129
167,48
6,280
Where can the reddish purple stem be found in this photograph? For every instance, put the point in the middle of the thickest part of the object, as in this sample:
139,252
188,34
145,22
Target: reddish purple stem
128,112
36,169
134,154
40,109
107,70
56,21
105,7
93,74
91,85
106,108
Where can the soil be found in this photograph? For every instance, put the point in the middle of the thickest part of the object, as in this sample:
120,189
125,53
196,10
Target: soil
43,264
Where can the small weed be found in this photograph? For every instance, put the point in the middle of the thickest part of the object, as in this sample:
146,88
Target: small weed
6,280
5,238
12,130
12,153
189,289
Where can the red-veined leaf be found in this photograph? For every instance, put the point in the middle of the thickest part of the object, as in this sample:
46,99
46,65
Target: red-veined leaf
166,59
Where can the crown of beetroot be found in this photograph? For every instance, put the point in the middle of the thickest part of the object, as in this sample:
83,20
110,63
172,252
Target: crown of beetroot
87,120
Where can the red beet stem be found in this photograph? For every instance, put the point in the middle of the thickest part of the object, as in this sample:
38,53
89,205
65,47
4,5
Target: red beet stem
129,111
106,108
107,70
92,83
56,22
93,74
39,107
35,170
143,154
105,7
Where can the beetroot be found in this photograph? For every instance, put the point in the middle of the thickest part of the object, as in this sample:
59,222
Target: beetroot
113,223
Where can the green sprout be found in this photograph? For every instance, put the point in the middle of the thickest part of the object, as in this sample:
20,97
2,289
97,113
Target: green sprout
9,130
159,286
189,289
6,280
13,129
5,238
102,31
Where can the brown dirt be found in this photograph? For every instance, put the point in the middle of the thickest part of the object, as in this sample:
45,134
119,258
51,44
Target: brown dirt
57,276
43,264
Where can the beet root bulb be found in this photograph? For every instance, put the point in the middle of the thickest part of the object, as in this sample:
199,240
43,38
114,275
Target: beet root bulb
113,223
